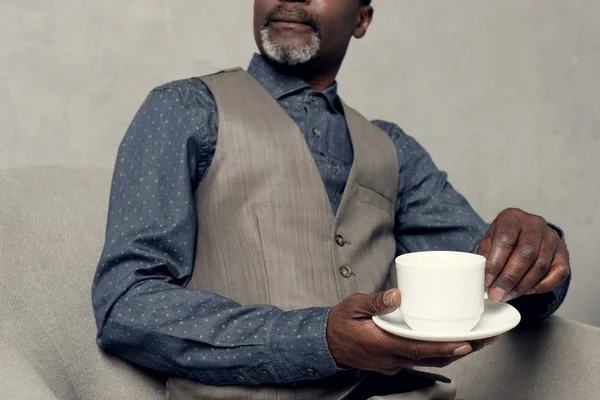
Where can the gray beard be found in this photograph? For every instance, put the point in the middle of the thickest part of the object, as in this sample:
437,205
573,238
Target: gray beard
290,54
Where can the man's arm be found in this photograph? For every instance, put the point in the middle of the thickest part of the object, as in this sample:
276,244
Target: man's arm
143,312
432,215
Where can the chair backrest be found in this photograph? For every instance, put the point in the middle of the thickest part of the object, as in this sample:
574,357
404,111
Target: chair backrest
52,223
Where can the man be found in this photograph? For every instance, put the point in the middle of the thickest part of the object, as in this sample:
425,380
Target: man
249,212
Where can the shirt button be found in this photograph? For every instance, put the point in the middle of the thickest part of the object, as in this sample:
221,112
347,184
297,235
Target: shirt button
334,168
345,271
240,379
310,372
316,132
339,239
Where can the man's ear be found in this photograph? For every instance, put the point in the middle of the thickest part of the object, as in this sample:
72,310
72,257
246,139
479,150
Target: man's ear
363,20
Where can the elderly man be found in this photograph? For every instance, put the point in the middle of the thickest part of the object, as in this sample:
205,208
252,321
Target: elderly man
254,217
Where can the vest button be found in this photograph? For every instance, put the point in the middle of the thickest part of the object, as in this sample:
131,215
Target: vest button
339,239
345,271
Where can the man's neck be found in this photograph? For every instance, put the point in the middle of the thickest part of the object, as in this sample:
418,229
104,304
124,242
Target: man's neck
318,75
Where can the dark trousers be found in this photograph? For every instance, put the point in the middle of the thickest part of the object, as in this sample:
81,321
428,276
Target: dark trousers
407,380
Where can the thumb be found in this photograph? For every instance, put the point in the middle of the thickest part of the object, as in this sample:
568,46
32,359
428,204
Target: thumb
381,302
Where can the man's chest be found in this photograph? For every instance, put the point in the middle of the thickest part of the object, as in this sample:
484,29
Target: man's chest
328,139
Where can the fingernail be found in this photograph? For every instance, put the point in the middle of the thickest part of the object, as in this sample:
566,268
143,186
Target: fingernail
489,279
461,351
496,294
388,297
530,292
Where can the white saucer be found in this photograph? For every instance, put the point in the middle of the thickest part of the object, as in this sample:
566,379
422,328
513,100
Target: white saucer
497,318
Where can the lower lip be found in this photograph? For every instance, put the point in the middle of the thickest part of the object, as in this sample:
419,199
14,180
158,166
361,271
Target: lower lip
290,25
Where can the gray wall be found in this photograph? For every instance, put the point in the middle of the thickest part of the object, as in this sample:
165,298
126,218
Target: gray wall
504,93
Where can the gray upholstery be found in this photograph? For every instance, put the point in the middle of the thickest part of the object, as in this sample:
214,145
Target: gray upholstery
558,360
51,234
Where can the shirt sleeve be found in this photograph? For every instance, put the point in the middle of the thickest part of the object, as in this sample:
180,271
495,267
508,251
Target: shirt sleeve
143,311
432,215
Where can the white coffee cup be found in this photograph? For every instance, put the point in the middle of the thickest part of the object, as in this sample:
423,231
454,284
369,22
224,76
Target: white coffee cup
441,291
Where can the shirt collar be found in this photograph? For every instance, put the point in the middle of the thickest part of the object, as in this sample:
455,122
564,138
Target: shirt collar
280,85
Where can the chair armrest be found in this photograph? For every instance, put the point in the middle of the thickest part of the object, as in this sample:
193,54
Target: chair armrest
557,359
19,378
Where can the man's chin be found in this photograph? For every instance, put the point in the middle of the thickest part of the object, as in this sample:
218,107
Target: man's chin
289,51
284,61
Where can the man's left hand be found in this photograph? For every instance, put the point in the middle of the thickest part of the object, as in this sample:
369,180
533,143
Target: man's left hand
524,256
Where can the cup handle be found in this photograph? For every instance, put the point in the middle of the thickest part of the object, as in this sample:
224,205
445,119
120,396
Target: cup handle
485,295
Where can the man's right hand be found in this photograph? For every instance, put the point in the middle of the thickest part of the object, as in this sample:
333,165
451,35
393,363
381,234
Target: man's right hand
356,342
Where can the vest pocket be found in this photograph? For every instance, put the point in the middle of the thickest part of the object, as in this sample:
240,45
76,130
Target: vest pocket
371,197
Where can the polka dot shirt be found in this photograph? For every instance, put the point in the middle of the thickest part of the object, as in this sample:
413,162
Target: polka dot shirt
143,311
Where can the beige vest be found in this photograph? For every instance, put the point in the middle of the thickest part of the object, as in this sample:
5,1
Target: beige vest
267,233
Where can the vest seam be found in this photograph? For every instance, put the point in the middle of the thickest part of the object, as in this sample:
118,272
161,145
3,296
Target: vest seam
207,174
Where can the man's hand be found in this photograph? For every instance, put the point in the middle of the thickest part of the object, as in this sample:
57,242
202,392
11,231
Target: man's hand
524,256
356,342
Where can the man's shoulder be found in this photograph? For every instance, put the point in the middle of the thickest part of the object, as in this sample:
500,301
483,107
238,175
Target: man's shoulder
190,91
393,130
405,144
182,84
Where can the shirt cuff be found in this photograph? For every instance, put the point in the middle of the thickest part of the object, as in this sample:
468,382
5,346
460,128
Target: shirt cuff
536,307
299,344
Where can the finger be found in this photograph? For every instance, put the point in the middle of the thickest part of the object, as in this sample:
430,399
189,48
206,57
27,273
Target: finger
385,344
441,362
504,241
540,268
368,305
437,362
559,272
390,365
481,344
420,350
520,261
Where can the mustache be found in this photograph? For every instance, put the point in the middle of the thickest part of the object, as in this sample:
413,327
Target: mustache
296,12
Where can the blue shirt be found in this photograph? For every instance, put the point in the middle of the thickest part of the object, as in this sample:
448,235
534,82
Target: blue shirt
143,311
